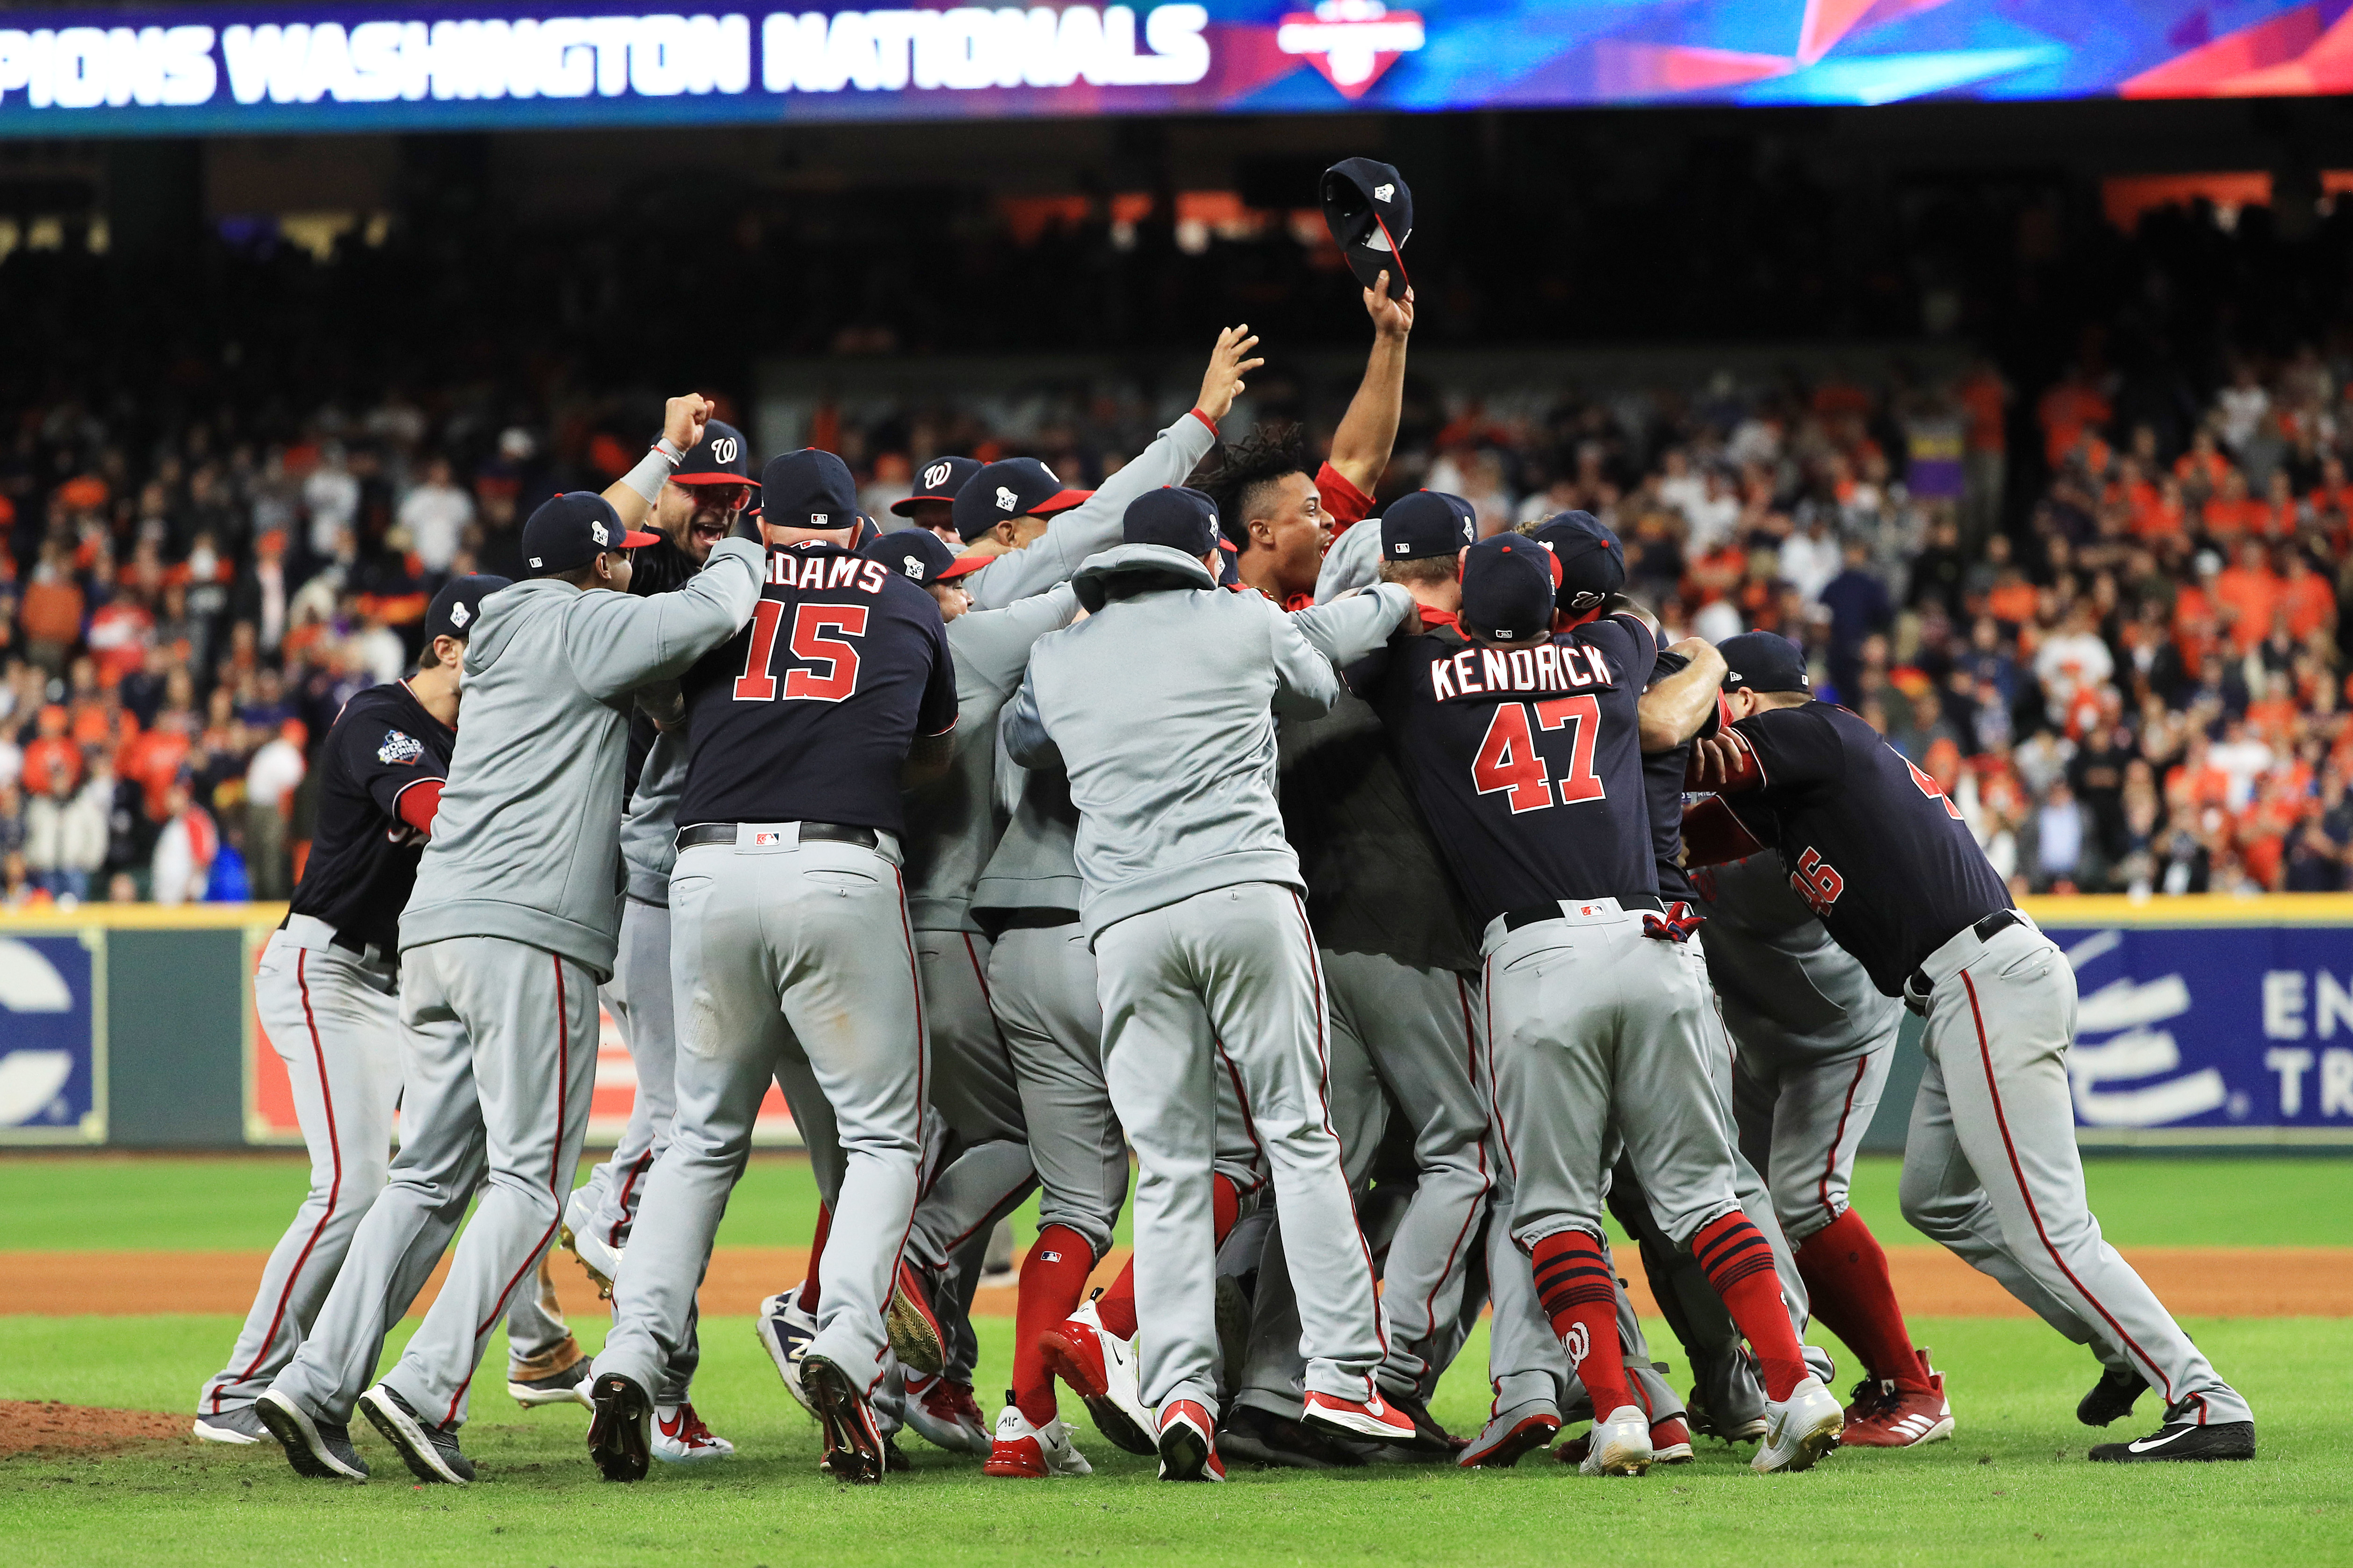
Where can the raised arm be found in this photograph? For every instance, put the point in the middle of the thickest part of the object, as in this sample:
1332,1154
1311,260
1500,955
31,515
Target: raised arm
634,493
1350,628
1360,447
618,643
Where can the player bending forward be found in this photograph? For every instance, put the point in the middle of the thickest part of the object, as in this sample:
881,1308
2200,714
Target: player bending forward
1990,1164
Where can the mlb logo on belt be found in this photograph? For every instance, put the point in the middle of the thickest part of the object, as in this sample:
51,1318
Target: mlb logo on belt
762,840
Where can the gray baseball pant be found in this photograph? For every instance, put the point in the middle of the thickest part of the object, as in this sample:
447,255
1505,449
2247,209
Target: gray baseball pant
1414,1026
1802,1122
791,961
973,1086
1042,985
499,1047
2001,1015
1230,978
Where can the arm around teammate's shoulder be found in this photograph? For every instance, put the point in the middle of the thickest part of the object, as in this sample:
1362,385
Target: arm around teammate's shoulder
1352,626
1305,684
618,643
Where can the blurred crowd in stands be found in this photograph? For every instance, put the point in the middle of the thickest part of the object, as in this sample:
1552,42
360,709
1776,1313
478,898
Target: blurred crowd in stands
2101,598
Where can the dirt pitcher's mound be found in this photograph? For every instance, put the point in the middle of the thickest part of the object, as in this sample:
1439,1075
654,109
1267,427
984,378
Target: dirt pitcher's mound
35,1427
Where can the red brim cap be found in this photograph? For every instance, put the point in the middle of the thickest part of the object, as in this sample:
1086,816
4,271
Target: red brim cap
905,505
633,540
964,565
1061,501
713,476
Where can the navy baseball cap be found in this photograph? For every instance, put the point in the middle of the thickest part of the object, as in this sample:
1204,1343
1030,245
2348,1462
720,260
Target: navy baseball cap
939,480
807,488
1008,489
458,604
1370,214
869,532
915,553
1593,561
567,533
1174,515
1763,661
1426,525
1507,589
721,457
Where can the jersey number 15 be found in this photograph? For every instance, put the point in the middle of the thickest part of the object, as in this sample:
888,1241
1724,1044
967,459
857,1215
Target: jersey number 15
838,679
1508,759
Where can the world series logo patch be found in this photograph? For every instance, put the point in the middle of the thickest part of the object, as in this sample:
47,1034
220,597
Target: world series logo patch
399,749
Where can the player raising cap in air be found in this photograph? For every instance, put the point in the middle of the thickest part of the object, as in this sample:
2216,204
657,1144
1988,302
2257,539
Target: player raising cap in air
1523,749
1990,1166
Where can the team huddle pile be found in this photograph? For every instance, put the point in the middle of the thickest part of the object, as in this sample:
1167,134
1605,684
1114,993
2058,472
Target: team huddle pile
1289,847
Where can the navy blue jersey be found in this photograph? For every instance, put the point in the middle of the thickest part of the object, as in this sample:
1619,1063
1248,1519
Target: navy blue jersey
1527,761
363,856
1870,842
1662,789
806,715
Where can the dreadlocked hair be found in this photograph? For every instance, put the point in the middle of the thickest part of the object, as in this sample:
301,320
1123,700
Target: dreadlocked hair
1235,476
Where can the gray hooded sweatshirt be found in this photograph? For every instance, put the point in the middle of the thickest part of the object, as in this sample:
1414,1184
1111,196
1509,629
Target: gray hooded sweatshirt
1161,710
527,845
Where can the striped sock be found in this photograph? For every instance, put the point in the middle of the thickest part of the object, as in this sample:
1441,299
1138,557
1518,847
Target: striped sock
1739,1263
1580,1296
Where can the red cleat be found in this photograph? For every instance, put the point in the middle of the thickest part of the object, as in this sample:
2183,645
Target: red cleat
1372,1418
1884,1416
1188,1444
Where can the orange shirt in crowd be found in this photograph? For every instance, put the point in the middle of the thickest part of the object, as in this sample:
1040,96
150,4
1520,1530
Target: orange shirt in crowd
2231,519
2309,602
2011,601
1983,396
51,611
2247,599
2066,410
2274,718
47,758
2160,519
153,759
2194,467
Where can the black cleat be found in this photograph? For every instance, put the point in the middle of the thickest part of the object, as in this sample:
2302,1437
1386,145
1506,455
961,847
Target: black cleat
854,1449
1253,1436
1431,1440
320,1449
620,1434
430,1452
2112,1398
2182,1441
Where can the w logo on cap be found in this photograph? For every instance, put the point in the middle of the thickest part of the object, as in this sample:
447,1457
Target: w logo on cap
723,449
937,475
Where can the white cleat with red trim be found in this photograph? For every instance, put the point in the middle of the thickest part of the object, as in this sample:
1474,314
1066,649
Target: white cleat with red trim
681,1438
1027,1451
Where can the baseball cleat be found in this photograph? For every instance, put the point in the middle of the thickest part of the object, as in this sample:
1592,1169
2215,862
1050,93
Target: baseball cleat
1429,1440
1887,1416
1100,1367
1726,1401
598,1258
945,1413
2112,1398
1276,1442
240,1426
621,1436
916,1338
320,1449
1671,1442
681,1438
1800,1429
1617,1446
2182,1442
1023,1451
853,1444
430,1452
786,1328
559,1377
1510,1435
1372,1416
1188,1444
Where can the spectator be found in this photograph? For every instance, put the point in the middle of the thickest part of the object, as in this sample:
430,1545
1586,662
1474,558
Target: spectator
436,514
277,770
185,850
1860,608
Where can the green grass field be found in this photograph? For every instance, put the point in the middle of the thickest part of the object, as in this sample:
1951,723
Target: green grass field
2012,1488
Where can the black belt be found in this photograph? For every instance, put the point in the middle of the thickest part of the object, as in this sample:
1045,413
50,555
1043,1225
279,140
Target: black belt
350,944
1515,918
1027,920
811,833
1987,928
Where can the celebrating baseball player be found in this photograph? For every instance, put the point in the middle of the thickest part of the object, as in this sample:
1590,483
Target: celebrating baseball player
1990,1167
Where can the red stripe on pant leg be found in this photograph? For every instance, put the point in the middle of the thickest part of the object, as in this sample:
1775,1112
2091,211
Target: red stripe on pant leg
2018,1174
1241,1098
1829,1161
922,1056
554,1169
334,1184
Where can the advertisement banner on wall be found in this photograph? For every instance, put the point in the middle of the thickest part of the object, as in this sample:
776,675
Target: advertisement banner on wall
245,69
270,1099
53,1037
2210,1033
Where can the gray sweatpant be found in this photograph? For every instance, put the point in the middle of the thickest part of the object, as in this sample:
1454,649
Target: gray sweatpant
1229,977
499,1047
974,1088
791,961
1414,1026
1995,1123
1042,985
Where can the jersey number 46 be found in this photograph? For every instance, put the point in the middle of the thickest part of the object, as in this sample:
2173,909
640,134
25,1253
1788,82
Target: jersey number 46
1508,760
838,677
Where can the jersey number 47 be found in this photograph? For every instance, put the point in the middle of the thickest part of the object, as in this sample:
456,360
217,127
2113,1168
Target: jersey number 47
1508,760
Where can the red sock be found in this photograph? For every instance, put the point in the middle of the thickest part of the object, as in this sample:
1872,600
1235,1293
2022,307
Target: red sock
817,1251
1117,1306
1846,1271
1053,1283
1739,1264
1580,1296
